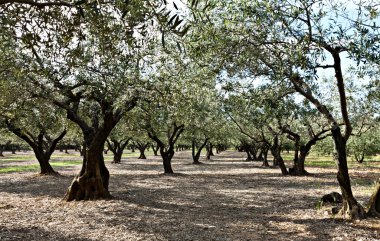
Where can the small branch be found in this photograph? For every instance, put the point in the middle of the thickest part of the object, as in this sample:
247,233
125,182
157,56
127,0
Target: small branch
327,66
38,4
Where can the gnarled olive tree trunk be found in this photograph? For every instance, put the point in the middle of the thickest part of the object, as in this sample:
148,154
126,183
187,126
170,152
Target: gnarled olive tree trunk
92,181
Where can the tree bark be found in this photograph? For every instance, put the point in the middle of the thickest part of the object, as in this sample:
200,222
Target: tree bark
265,156
374,202
276,152
209,152
299,166
167,161
197,153
351,208
45,167
92,181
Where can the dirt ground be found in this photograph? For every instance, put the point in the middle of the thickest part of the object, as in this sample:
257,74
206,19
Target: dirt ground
226,198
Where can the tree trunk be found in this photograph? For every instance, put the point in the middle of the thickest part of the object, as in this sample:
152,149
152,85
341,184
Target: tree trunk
117,156
196,154
167,154
141,146
374,202
142,153
265,157
249,157
13,149
155,150
351,208
359,157
299,165
276,152
117,148
42,148
260,155
167,161
92,181
252,149
209,151
280,161
80,148
45,167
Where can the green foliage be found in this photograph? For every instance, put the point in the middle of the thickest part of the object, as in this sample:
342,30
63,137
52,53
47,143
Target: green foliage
367,144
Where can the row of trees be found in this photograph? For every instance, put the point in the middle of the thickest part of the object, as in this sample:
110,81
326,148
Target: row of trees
170,72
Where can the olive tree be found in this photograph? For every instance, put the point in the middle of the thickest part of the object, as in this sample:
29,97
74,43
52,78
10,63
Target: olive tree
77,62
287,42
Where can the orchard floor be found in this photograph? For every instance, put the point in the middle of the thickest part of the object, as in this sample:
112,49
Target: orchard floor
226,198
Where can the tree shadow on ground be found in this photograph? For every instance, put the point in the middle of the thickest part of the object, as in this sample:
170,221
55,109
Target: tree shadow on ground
36,185
35,234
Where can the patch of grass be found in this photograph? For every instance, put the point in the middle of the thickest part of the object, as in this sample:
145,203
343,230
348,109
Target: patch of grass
28,168
65,163
320,163
17,158
362,182
36,167
65,155
287,156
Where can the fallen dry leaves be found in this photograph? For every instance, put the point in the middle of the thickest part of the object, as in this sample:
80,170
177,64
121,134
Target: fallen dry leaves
223,199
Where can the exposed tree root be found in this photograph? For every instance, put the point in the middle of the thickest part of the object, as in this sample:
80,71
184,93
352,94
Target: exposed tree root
352,212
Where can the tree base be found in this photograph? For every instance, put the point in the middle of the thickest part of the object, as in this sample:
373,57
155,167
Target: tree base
355,212
198,163
54,173
295,172
374,202
49,172
86,188
265,164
